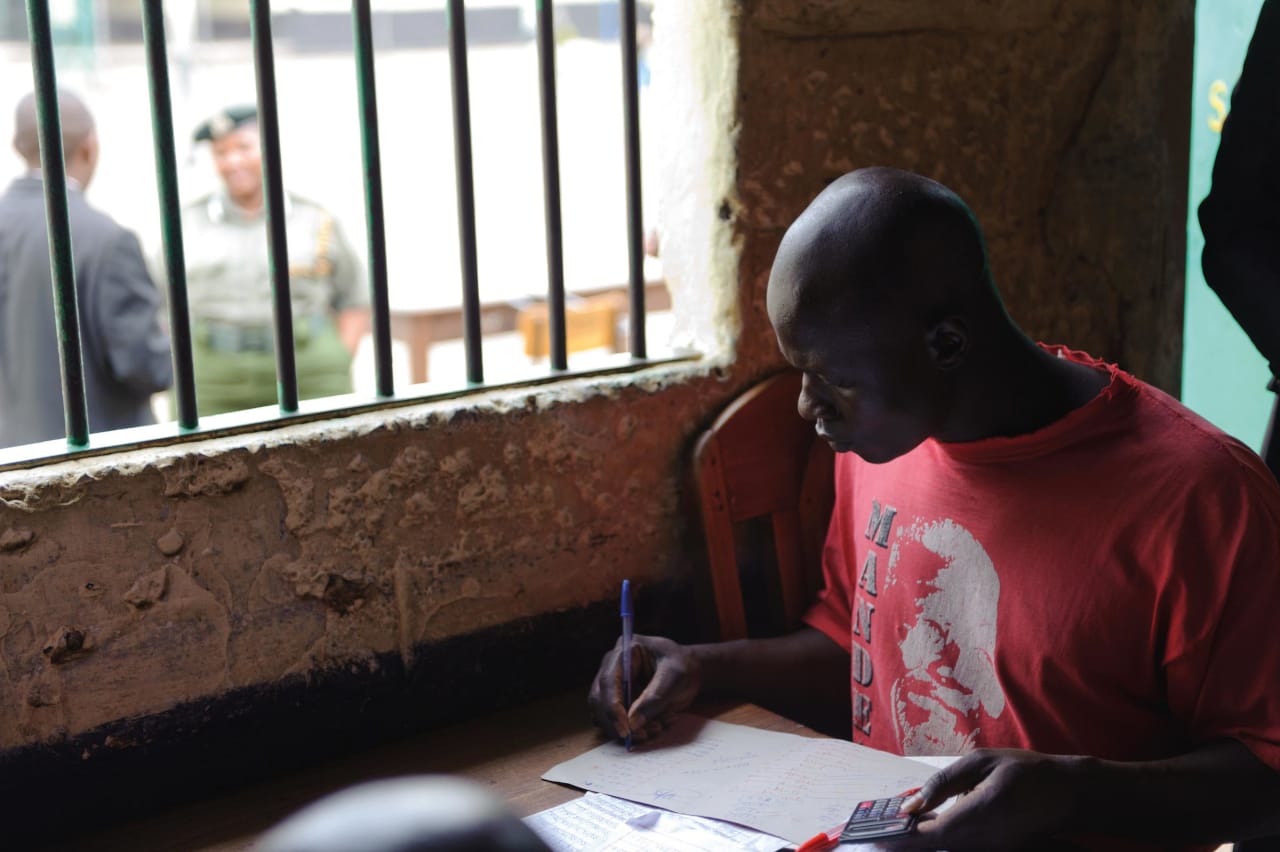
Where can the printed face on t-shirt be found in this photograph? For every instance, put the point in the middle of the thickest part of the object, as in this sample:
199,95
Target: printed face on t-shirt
949,678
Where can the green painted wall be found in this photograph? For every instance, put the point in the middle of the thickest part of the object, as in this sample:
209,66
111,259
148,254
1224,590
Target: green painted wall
1224,377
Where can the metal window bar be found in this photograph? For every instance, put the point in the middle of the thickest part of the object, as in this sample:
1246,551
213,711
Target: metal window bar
635,220
53,169
456,21
273,185
61,258
551,185
170,211
362,22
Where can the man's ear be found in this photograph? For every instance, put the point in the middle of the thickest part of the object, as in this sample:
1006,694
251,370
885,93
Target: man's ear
948,342
89,150
82,161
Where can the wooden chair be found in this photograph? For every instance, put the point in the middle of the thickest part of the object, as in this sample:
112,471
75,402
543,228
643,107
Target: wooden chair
761,460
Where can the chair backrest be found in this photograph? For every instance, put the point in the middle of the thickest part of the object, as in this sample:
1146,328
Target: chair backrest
761,459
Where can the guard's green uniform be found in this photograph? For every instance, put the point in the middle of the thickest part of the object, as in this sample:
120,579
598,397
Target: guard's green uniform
230,298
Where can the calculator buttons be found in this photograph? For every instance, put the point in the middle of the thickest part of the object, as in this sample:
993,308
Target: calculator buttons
878,818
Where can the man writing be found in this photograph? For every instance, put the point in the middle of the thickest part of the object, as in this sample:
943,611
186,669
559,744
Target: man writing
1032,554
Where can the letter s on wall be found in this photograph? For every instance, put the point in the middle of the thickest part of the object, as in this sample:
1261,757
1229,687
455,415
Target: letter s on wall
1216,90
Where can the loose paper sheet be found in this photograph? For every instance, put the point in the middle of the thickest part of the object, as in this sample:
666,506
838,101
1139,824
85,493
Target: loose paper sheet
783,784
601,823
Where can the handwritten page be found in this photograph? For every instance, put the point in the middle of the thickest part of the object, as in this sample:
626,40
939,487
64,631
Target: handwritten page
583,823
783,784
603,823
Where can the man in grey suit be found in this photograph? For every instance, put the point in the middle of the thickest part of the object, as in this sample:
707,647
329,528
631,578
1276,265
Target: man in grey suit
125,348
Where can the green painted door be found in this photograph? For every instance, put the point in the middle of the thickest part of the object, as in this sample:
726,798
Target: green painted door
1223,376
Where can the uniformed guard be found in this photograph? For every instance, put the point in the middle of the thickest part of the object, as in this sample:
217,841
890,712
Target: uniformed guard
229,281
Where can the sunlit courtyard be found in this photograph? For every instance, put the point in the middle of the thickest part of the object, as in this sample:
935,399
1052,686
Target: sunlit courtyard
321,146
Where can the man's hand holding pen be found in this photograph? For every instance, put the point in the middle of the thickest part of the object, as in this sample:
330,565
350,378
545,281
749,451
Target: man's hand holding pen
667,676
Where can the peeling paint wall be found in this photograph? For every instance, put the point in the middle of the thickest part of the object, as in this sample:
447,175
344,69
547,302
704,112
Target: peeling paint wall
134,582
697,168
131,583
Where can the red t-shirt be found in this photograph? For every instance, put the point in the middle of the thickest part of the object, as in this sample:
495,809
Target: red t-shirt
1106,586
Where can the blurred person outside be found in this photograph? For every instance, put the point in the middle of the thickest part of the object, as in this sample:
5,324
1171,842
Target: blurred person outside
229,285
124,348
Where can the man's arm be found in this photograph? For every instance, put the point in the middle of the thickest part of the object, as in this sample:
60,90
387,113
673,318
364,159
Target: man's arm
127,308
1217,793
802,668
353,325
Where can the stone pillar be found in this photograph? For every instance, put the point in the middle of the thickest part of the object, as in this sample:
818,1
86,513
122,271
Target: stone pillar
1064,124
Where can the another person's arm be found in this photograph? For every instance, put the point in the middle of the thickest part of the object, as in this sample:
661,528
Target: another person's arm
127,311
1240,217
669,677
350,298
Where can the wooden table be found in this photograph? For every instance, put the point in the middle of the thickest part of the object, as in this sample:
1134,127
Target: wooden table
507,751
418,328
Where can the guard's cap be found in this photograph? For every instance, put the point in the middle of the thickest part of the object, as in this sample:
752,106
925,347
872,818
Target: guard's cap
225,121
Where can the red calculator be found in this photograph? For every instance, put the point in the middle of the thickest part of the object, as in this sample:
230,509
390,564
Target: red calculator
877,818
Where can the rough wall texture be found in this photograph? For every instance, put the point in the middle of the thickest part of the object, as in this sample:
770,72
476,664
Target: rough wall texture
1063,123
135,582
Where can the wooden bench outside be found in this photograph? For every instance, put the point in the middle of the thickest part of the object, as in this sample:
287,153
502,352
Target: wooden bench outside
418,328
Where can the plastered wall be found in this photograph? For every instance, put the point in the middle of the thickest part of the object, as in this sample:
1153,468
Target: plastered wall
135,582
1063,123
131,583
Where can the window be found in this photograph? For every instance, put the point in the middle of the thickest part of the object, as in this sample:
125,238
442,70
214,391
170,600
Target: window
502,327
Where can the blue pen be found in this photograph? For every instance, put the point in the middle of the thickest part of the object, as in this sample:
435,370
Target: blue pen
626,651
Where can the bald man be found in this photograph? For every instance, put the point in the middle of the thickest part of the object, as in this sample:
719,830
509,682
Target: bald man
1035,560
124,348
